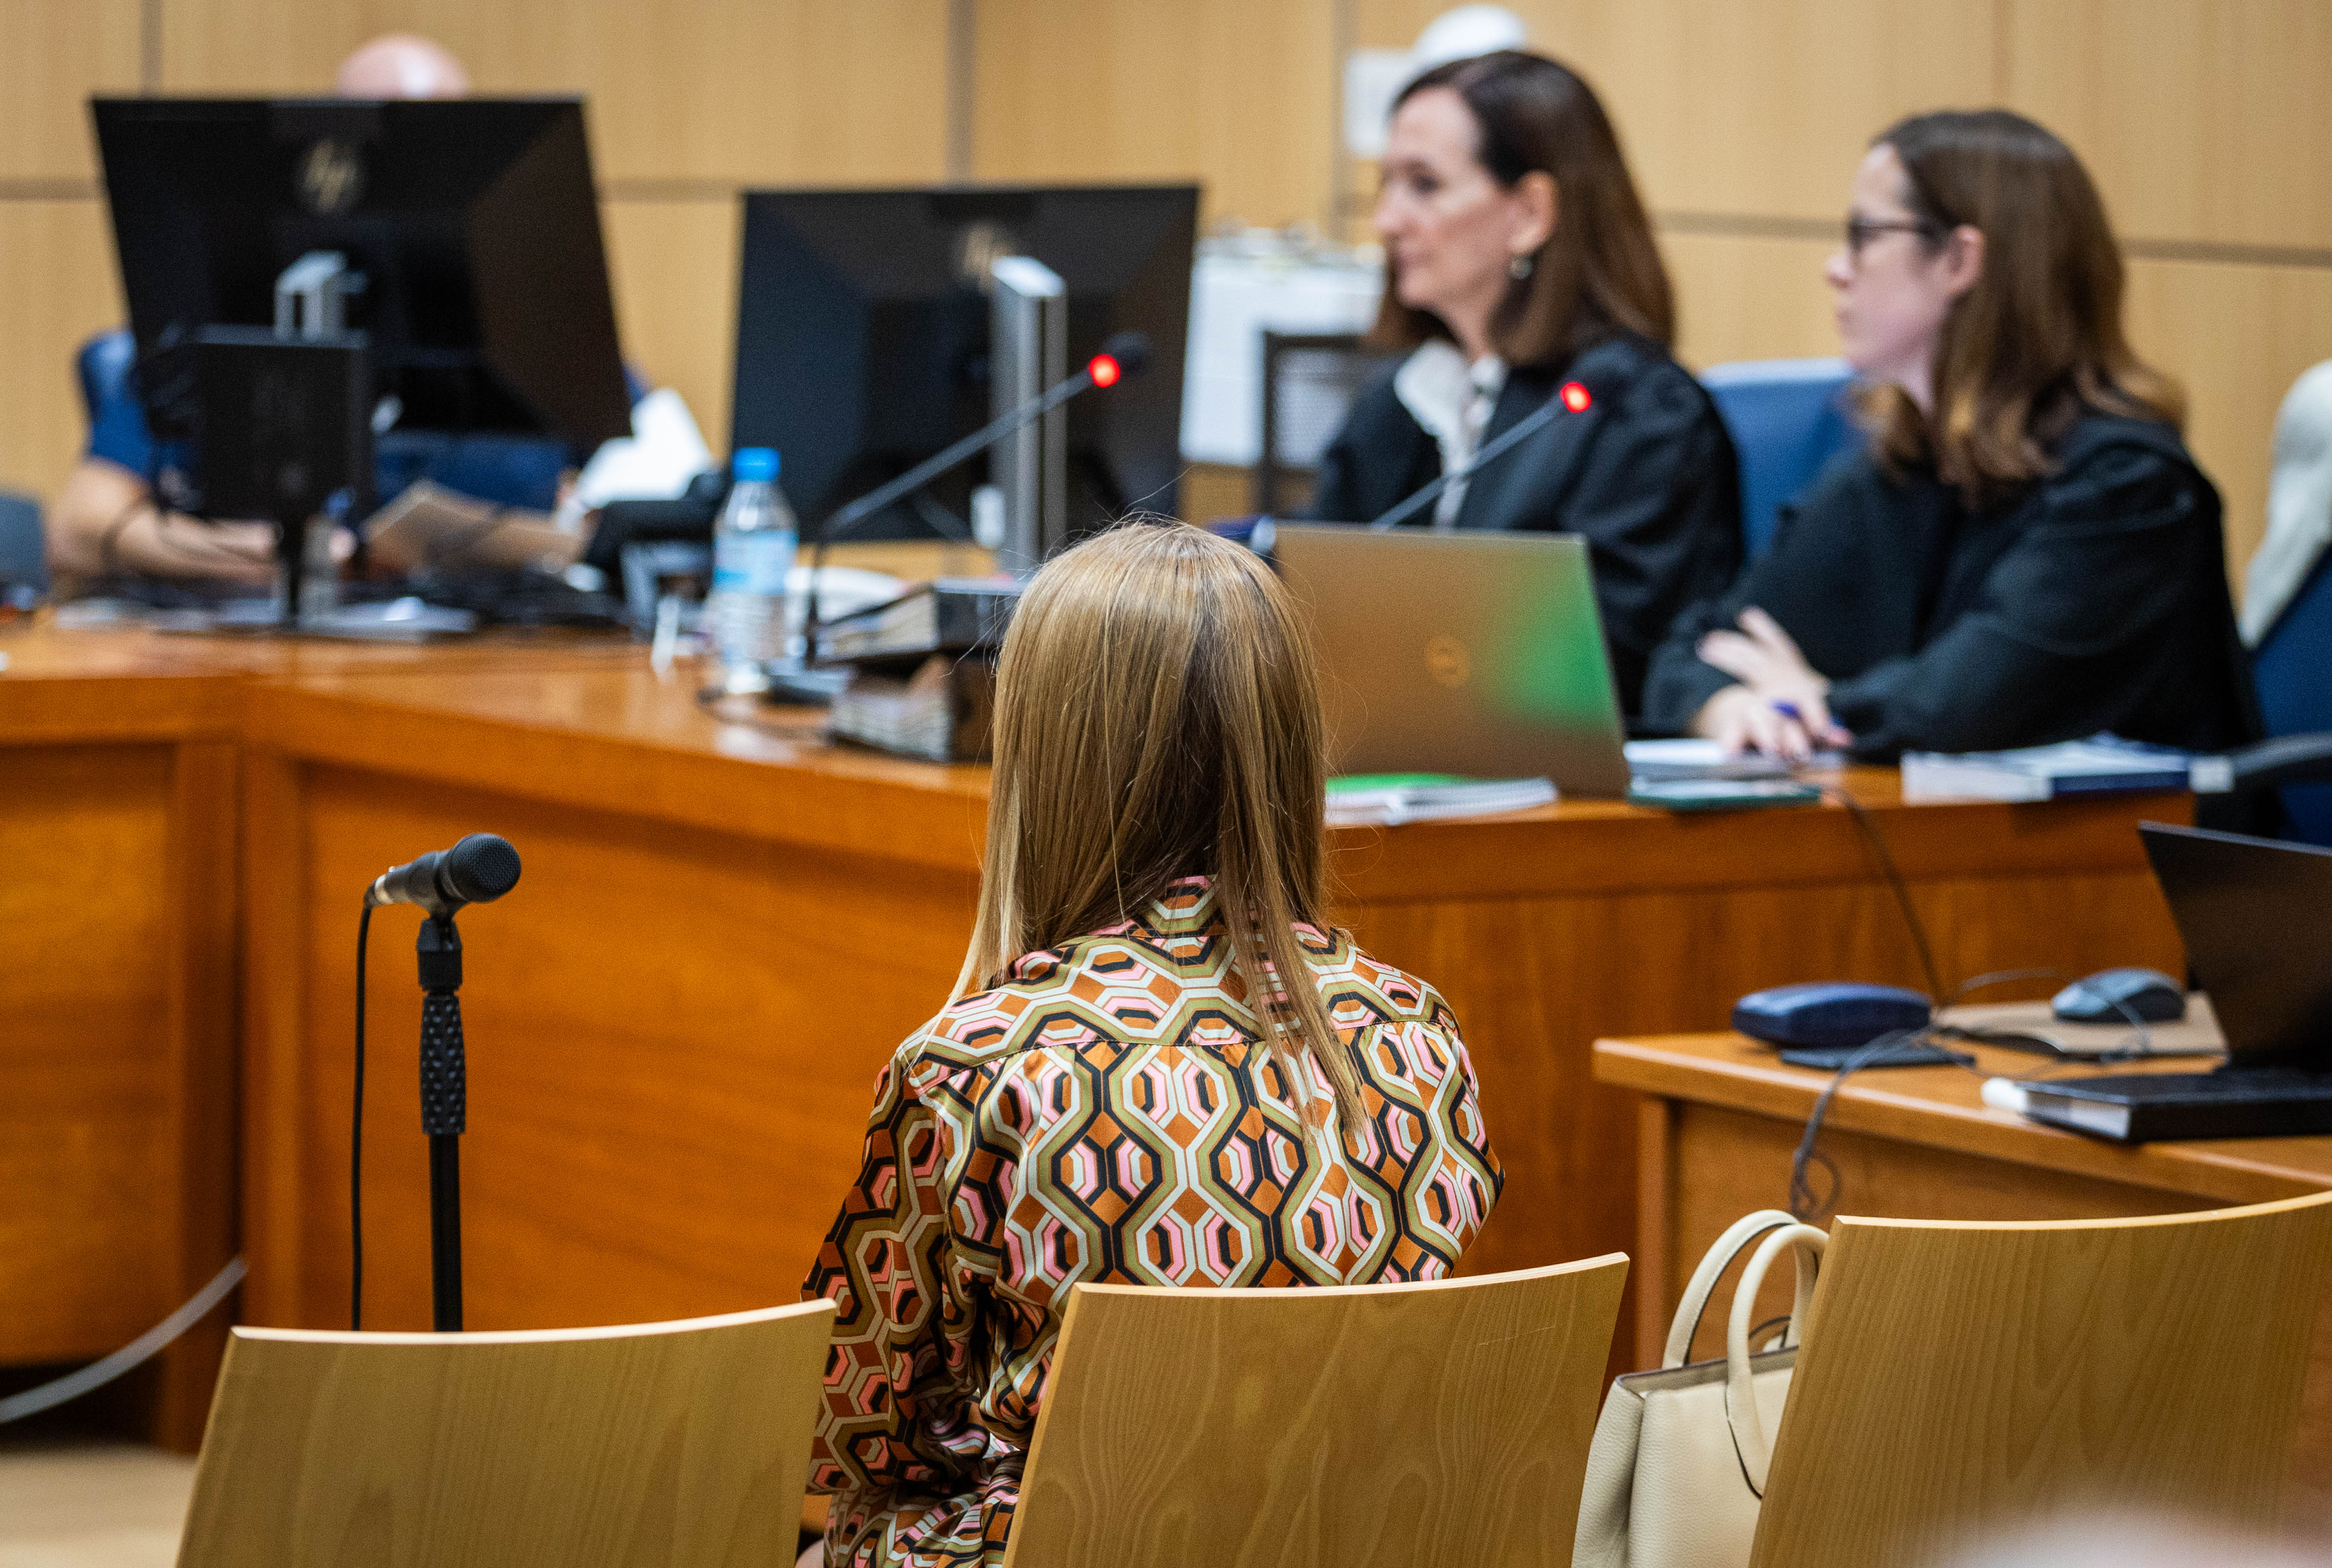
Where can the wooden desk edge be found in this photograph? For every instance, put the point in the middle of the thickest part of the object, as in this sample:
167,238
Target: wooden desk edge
1664,1067
119,709
851,809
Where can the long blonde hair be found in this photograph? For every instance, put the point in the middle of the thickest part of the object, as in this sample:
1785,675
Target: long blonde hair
1158,717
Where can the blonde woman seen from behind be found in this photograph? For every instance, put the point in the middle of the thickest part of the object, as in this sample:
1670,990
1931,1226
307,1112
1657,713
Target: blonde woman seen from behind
1123,1090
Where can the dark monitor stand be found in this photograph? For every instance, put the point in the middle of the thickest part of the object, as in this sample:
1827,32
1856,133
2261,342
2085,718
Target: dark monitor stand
302,274
287,432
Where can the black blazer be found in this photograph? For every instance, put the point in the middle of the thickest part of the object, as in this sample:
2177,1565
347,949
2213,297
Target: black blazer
1646,473
2094,599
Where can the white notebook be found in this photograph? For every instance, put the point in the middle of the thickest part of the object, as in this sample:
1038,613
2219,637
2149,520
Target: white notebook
1388,799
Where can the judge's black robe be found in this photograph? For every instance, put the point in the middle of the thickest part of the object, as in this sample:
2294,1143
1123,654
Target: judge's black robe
2094,599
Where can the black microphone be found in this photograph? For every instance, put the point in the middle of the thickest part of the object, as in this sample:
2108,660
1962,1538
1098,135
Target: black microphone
1125,354
480,869
1571,397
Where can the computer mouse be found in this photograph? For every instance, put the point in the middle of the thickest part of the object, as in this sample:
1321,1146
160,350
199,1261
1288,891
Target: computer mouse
2111,996
1828,1014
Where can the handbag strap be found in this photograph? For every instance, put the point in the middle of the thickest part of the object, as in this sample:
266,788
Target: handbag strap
1805,1244
1713,1264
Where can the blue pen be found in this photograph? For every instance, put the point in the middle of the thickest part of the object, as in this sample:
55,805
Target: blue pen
1790,711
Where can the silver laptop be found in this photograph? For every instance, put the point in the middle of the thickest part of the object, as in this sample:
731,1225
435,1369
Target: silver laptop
1474,654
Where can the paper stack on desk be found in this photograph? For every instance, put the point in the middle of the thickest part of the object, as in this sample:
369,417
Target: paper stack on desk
2100,765
1392,799
1663,760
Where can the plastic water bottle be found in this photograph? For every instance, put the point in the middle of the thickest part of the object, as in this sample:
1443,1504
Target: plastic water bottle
745,614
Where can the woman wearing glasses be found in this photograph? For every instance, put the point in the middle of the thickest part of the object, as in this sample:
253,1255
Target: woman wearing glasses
2023,551
1520,273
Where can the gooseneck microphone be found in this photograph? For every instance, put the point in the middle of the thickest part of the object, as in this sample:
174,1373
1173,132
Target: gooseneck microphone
1125,354
478,869
1571,397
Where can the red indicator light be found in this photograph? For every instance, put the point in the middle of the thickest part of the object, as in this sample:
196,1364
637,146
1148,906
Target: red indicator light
1575,397
1104,371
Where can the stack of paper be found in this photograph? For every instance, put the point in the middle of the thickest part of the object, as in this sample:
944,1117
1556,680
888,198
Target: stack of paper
2100,765
1662,761
1392,799
942,712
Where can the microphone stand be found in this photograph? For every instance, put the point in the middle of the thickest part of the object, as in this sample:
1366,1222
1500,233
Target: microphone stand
444,1116
921,474
1530,425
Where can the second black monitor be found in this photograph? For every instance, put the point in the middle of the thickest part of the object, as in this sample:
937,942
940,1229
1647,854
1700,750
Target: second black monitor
861,336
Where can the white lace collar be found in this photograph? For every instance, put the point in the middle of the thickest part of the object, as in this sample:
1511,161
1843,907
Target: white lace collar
1452,402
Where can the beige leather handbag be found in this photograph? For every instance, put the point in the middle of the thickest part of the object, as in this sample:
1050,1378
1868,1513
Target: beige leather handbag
1678,1467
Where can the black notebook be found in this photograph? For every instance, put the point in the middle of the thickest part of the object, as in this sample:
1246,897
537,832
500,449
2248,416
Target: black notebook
2143,1108
2256,916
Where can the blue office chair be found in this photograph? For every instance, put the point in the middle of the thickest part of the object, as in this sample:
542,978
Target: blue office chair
102,365
2295,694
1788,418
24,553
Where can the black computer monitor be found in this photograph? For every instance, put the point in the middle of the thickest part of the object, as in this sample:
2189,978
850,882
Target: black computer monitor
474,224
861,336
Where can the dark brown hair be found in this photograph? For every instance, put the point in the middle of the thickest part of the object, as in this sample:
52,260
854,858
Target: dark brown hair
1599,272
2038,338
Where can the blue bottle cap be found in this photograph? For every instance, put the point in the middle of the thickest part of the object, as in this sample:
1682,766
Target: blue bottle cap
754,463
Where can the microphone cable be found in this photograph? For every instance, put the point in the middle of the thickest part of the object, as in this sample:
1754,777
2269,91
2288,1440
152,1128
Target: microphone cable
355,1141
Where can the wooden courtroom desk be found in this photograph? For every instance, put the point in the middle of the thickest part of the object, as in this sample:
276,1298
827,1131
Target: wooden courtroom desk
118,830
725,929
1720,1117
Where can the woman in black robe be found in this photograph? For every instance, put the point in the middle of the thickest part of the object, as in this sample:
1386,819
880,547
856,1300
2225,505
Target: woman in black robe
1520,268
2023,552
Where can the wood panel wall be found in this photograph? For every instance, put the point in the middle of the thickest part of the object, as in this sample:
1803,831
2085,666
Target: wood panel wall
2200,119
688,102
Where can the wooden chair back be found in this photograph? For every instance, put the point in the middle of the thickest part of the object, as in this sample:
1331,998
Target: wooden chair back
1402,1426
1958,1378
671,1444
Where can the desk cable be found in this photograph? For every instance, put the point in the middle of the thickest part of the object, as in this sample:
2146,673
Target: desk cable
138,1351
1886,858
355,1141
1804,1204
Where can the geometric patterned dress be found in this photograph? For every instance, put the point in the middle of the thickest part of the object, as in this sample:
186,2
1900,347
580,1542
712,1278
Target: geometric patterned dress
1108,1115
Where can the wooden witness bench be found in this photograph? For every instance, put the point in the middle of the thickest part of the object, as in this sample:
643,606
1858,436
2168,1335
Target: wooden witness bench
726,925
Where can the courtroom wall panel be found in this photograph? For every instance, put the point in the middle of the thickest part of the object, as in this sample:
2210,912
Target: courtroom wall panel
2236,336
1748,295
53,54
1233,94
2203,119
711,90
1745,106
674,265
58,285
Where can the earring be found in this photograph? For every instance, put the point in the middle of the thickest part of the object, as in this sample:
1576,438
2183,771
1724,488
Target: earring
1519,267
